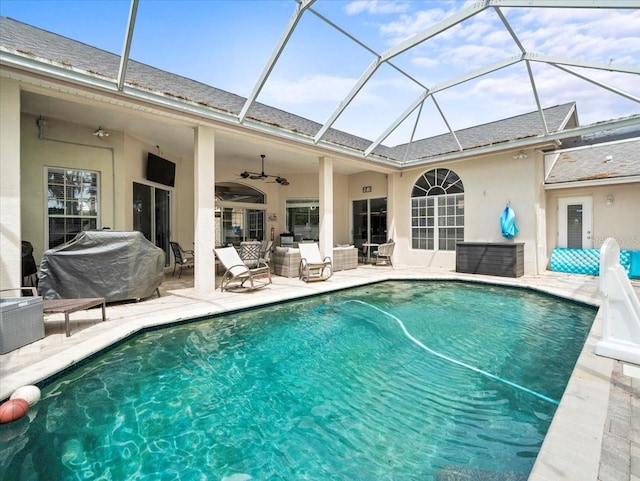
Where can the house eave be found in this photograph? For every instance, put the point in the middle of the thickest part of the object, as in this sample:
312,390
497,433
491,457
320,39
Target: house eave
593,183
189,111
537,141
25,69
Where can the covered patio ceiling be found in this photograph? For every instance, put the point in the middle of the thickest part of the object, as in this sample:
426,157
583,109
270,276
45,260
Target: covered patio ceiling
178,139
412,112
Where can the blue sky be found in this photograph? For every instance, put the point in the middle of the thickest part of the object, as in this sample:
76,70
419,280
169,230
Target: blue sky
226,44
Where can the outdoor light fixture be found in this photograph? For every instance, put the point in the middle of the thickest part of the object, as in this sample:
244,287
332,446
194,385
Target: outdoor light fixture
101,133
609,199
262,176
520,155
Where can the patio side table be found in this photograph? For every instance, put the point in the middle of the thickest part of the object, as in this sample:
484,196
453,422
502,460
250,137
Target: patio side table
68,306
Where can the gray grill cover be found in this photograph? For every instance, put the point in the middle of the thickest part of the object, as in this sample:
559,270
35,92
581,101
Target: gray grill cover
111,264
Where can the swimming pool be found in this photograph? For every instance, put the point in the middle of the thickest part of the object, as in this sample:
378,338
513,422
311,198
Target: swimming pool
326,388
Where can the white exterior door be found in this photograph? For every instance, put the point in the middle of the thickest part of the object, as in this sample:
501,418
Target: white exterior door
575,222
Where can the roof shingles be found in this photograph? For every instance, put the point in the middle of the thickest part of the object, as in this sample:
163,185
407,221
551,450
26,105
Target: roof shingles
600,161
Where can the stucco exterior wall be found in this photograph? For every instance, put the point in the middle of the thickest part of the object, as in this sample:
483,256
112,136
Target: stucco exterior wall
489,184
375,180
182,201
620,220
341,218
10,208
121,161
65,145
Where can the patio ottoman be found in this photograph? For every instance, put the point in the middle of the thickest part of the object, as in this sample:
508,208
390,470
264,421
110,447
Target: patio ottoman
286,262
21,322
344,257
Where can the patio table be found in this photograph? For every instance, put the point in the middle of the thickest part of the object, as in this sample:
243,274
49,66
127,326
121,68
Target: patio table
370,246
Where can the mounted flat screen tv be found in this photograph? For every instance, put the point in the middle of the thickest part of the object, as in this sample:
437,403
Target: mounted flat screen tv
161,170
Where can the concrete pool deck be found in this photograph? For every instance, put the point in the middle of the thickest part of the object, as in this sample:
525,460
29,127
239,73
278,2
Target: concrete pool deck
595,434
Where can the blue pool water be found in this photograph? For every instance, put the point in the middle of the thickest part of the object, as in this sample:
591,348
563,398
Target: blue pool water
328,388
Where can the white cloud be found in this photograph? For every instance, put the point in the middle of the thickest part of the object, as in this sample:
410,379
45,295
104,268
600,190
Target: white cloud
509,92
513,87
306,89
580,34
375,7
415,22
473,56
408,25
448,64
425,62
499,38
600,36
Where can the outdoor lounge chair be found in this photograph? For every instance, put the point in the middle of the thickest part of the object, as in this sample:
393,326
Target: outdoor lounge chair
384,253
312,266
183,259
239,277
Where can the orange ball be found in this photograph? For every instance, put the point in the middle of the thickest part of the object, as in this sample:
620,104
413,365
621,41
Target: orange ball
12,410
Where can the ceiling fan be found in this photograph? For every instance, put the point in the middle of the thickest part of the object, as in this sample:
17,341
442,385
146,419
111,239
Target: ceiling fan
101,133
262,176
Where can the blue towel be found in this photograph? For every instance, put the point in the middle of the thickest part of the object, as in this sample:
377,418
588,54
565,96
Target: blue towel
634,268
508,222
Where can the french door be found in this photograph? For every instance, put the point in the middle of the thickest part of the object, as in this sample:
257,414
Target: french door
575,222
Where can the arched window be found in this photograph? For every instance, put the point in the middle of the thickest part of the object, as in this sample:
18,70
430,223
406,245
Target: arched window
240,213
437,211
234,192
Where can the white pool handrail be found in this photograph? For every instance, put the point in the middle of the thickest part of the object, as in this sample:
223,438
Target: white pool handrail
620,308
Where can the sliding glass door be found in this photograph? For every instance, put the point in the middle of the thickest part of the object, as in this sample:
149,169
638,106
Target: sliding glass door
369,221
303,219
236,224
151,215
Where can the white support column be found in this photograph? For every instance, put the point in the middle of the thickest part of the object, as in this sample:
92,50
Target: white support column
326,206
204,198
10,206
540,207
392,182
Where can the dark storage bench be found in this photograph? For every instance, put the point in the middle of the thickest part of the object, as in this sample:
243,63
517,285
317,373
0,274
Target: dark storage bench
504,259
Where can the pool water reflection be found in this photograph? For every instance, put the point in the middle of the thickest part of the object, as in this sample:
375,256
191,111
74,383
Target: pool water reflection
317,389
